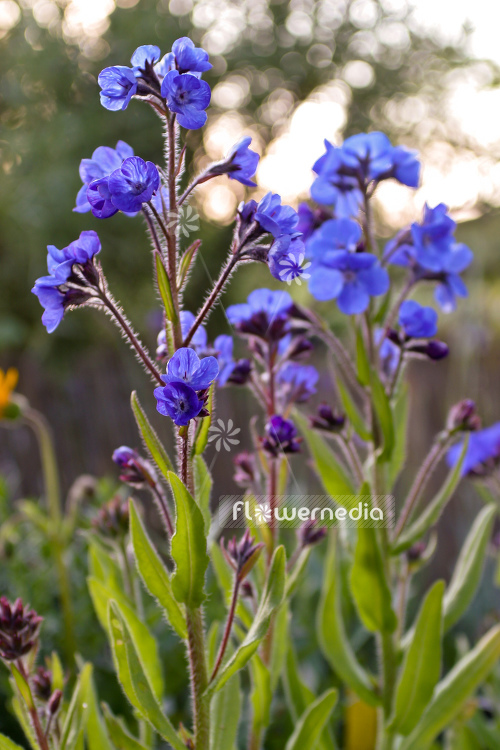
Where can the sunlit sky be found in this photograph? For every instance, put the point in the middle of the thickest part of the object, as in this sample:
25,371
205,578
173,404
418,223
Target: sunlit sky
459,179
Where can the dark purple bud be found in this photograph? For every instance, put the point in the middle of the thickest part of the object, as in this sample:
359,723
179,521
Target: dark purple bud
135,470
394,336
55,702
112,520
42,684
434,350
247,471
240,372
19,629
463,417
415,552
247,590
310,533
281,436
327,419
299,348
243,554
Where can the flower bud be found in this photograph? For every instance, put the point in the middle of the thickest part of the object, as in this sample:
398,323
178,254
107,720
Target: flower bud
42,684
246,469
281,436
327,419
19,629
135,470
240,372
463,417
54,702
243,554
112,520
434,350
310,533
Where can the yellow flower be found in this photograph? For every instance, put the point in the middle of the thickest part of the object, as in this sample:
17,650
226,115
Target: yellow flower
8,382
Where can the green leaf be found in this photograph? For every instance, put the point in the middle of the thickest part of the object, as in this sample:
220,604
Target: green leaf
299,696
134,680
21,713
335,480
369,585
432,512
57,672
120,736
297,571
165,290
422,665
189,547
6,744
454,690
352,411
203,487
260,696
225,712
76,716
23,686
362,361
201,438
272,596
95,729
398,458
154,574
311,723
467,574
144,641
279,645
332,636
150,438
383,411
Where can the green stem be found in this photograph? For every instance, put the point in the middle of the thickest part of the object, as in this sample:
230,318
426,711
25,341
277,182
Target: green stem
42,431
199,677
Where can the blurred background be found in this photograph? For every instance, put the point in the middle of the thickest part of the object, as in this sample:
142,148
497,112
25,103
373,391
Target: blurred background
289,74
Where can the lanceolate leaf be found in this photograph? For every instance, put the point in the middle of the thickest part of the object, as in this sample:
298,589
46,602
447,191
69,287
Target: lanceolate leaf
335,480
151,440
153,573
362,362
469,567
76,716
454,690
261,696
384,415
272,597
312,722
201,439
6,744
398,457
431,514
189,547
95,728
333,638
422,665
203,487
369,585
352,411
280,646
225,712
120,736
165,290
134,680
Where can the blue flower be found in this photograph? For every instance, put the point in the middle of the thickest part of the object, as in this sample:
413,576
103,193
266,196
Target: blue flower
132,184
240,164
351,278
224,346
296,382
265,314
308,221
118,85
431,251
483,451
188,97
345,172
199,340
52,291
185,58
334,188
417,321
178,401
389,353
286,259
144,55
186,367
334,235
104,160
275,218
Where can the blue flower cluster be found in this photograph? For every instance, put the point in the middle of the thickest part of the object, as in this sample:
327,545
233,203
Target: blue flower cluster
187,381
432,253
341,270
71,274
175,80
344,173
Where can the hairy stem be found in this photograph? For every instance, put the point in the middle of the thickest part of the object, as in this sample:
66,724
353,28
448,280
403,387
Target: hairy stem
227,629
171,231
35,719
199,678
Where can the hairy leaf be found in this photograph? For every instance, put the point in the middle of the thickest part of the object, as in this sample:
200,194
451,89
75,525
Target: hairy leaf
369,585
150,438
312,722
120,736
